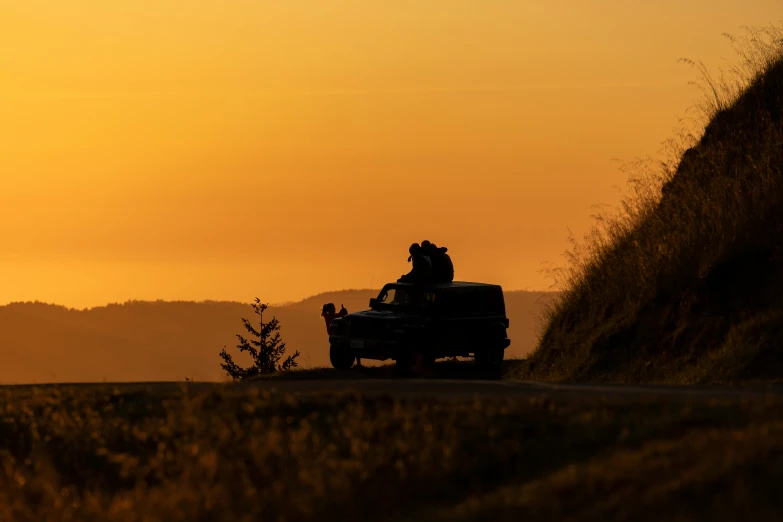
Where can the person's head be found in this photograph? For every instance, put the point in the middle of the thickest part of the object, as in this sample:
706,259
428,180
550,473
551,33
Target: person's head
429,247
414,250
328,308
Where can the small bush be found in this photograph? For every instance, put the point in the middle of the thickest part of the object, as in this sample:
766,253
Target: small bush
266,348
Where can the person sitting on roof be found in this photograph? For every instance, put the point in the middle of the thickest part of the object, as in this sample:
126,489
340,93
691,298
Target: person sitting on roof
421,272
442,267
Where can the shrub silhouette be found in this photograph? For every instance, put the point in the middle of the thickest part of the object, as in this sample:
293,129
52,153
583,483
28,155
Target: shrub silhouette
266,348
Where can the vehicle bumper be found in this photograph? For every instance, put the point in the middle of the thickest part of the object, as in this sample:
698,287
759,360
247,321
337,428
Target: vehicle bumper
364,348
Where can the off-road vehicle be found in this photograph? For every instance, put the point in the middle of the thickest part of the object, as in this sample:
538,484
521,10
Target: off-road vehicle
439,320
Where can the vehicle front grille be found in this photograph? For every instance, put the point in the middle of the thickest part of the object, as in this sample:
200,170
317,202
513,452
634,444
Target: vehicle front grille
362,327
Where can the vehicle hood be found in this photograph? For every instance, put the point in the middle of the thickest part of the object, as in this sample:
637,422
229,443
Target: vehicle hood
385,315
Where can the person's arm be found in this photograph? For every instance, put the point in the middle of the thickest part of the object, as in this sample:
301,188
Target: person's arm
343,311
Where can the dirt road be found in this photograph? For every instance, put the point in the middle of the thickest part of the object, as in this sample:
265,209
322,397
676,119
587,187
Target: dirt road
445,389
461,389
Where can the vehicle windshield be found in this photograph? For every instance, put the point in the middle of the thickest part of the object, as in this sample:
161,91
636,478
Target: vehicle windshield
405,298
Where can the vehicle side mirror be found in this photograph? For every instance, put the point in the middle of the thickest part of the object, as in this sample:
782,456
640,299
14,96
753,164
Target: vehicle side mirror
373,302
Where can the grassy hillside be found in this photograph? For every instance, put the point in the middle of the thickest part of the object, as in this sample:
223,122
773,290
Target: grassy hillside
687,284
165,341
235,453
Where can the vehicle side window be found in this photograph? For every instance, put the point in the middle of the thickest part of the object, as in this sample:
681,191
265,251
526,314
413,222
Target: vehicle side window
472,302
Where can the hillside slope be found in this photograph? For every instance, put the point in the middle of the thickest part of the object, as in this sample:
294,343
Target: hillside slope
692,289
165,341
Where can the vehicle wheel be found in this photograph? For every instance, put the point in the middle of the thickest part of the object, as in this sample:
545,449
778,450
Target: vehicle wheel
408,352
404,362
490,359
340,358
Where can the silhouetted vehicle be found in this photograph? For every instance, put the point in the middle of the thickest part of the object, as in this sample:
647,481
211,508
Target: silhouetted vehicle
439,320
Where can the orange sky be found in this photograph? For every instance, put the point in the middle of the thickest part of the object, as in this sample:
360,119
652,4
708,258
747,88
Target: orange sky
226,149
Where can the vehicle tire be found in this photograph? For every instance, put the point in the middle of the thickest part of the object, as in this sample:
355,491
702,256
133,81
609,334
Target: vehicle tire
404,363
490,359
408,352
341,358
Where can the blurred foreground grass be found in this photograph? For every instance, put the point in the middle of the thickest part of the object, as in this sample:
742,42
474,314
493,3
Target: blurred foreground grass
237,453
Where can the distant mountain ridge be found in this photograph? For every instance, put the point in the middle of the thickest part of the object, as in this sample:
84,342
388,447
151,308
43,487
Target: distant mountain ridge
172,340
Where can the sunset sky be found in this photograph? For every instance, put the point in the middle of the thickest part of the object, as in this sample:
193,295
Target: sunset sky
227,149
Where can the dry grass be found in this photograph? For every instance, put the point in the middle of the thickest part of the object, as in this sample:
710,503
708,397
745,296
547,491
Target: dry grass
684,283
236,453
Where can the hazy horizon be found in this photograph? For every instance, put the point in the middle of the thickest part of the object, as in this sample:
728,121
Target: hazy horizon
370,293
273,304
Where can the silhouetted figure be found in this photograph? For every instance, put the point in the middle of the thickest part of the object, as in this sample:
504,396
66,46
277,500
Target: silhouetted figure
442,267
421,272
329,313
